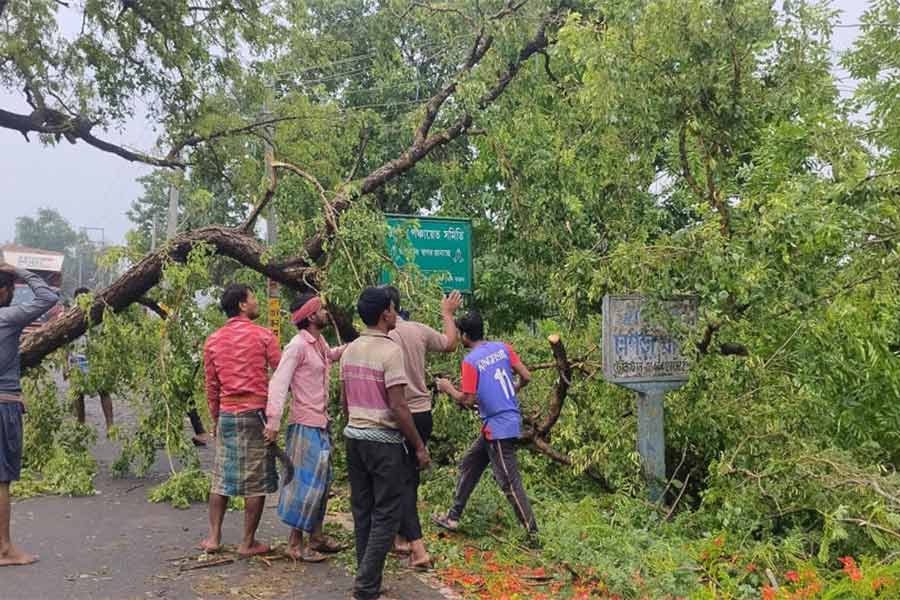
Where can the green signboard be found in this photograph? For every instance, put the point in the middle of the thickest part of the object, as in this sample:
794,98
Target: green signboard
441,247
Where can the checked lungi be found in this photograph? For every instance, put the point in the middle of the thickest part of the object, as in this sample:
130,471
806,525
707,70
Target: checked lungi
303,501
245,466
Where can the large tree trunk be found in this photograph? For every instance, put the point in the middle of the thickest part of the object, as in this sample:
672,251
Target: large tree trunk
142,277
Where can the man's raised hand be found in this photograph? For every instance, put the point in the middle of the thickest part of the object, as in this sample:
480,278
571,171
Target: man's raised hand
451,302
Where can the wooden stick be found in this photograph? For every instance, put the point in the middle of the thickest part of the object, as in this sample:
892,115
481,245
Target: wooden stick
207,564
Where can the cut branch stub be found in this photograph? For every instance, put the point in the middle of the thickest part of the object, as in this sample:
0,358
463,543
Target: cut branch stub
560,388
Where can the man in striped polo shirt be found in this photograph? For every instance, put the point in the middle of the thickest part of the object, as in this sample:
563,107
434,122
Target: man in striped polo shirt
380,433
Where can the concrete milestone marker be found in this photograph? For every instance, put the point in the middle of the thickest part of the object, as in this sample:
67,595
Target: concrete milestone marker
642,353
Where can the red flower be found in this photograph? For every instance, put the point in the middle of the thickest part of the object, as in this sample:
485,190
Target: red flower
850,568
880,582
792,576
768,593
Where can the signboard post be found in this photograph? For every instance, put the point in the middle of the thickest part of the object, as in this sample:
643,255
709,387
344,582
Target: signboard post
642,355
274,309
441,247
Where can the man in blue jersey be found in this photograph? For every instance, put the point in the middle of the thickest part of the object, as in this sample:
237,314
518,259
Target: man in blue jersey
487,380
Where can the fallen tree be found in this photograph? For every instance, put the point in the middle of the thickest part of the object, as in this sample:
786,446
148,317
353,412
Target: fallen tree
240,244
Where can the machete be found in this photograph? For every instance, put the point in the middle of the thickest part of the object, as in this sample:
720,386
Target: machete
287,466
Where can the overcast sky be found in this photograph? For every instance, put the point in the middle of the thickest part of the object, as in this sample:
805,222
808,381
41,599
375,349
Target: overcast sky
91,188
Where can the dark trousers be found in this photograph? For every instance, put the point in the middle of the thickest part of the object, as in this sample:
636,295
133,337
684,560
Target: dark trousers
501,455
377,475
410,526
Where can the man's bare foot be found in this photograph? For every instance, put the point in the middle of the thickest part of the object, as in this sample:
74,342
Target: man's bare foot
421,564
445,522
401,546
294,552
210,546
255,550
15,557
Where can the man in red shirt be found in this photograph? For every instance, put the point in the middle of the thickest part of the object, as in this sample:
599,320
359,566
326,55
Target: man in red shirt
237,359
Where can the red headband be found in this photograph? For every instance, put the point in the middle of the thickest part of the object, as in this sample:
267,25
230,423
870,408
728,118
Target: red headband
307,310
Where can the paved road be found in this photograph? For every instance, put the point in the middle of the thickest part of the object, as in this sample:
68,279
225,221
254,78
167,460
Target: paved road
117,545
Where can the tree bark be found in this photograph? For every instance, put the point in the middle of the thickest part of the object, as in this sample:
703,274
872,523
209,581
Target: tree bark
142,277
560,388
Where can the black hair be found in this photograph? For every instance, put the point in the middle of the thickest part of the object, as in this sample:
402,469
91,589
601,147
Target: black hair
372,302
80,291
471,325
395,298
297,304
8,283
394,294
234,294
7,280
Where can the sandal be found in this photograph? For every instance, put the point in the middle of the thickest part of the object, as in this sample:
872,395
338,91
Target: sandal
445,522
304,555
327,545
311,556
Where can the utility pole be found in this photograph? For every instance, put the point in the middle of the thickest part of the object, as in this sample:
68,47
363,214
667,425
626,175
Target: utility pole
172,223
86,240
273,290
153,230
81,264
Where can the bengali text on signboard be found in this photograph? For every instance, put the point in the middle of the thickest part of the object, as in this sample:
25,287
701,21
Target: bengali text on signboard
441,247
638,347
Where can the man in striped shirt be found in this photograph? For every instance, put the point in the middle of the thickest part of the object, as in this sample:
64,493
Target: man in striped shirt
237,359
379,435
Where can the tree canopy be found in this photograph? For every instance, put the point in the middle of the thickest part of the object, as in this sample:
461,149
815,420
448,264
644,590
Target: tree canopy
668,148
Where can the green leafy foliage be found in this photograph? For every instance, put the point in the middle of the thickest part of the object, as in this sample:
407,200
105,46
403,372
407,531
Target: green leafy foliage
56,451
669,148
182,489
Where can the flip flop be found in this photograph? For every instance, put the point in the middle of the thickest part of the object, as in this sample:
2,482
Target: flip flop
328,546
444,522
261,549
311,556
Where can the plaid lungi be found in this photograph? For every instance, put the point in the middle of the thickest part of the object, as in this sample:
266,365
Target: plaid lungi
245,466
303,501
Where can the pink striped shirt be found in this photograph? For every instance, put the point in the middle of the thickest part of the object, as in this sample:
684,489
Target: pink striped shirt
237,359
304,369
370,365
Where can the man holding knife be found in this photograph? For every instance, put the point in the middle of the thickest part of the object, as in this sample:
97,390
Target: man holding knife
237,360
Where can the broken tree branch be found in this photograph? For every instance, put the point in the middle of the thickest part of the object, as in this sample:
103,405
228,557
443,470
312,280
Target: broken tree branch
236,243
146,274
560,388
